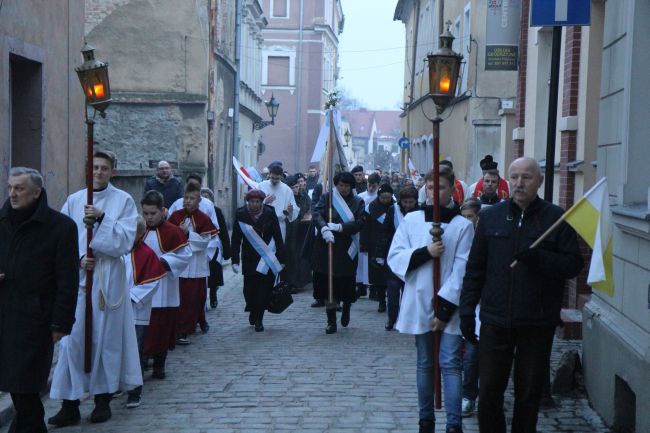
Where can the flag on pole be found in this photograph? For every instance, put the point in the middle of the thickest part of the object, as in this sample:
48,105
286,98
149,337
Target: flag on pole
413,172
591,218
243,174
339,160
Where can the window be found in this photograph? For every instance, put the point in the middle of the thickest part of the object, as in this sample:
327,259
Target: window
26,101
279,8
278,71
465,43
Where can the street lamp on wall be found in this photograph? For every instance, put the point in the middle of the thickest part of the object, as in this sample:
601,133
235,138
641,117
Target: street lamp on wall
93,76
347,136
272,107
444,66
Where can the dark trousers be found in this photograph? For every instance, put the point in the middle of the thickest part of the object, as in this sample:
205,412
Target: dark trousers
394,291
140,335
470,371
530,348
30,414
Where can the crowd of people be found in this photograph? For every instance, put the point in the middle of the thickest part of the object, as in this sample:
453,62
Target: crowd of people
374,227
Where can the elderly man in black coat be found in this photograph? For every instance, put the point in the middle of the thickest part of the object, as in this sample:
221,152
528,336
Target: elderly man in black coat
39,278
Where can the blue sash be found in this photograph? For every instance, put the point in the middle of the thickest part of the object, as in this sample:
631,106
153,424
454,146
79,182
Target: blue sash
266,252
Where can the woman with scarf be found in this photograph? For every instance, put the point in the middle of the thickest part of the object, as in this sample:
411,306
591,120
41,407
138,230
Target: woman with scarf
298,272
256,232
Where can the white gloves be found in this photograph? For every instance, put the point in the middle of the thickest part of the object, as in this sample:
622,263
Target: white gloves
335,227
235,268
328,236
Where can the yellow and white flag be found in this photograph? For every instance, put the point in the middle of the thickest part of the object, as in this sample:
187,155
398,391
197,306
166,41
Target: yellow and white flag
591,218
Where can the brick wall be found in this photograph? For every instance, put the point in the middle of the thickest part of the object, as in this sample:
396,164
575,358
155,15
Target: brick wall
97,10
520,108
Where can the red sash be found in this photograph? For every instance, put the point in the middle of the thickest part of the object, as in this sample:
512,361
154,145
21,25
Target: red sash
146,264
503,191
459,192
170,237
201,223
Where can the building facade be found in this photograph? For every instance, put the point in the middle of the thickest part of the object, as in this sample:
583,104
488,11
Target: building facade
616,330
479,116
299,67
41,102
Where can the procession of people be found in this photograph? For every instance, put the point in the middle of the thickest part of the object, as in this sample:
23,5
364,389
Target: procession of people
365,234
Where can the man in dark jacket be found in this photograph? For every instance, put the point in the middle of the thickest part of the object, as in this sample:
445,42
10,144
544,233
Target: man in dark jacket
166,183
39,279
360,183
520,306
347,220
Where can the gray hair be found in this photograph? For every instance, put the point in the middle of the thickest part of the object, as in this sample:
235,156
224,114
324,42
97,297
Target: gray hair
34,176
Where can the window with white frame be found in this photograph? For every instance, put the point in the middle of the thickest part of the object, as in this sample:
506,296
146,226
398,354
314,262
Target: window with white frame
280,8
278,71
465,44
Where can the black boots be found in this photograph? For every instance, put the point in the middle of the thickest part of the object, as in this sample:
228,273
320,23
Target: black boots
427,426
259,327
159,366
361,290
102,411
345,316
380,293
68,415
331,321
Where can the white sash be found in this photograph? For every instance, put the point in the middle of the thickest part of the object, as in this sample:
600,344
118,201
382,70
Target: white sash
347,216
266,252
397,220
381,218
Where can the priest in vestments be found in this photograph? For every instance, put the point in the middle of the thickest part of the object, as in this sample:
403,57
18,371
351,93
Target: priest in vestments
201,234
172,248
280,196
114,353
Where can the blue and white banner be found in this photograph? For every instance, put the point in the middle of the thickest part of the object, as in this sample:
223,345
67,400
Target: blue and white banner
397,220
266,252
381,218
342,208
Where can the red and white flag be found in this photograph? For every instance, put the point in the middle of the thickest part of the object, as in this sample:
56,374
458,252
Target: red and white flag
413,172
243,174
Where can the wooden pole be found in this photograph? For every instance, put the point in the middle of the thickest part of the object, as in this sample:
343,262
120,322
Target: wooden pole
330,190
88,321
436,235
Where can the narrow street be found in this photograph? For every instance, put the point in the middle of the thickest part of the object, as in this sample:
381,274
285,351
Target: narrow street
294,378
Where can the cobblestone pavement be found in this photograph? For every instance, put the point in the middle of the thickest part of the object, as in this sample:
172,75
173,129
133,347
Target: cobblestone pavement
294,378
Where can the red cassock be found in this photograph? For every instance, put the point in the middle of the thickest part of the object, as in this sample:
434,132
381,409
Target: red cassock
146,264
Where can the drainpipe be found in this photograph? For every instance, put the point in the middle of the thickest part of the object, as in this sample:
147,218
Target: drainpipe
235,119
299,93
416,26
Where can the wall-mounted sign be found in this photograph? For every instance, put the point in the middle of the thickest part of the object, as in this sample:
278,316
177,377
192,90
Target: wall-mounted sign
502,35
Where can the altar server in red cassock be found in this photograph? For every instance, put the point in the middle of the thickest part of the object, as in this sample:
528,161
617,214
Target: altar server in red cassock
201,234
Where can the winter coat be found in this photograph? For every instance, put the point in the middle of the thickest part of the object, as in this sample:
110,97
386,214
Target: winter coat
344,265
216,272
171,190
267,226
377,237
40,259
530,294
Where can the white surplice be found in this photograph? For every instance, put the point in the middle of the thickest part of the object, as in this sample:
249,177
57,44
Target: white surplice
416,309
203,247
114,356
141,295
167,294
283,197
205,205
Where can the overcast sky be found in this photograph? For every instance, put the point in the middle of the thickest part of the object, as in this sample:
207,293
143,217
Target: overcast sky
372,53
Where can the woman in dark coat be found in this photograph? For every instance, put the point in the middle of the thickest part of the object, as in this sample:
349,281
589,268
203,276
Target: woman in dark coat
342,232
376,237
215,280
298,271
39,280
255,223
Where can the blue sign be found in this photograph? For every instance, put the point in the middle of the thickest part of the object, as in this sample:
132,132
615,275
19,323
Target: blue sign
403,143
560,13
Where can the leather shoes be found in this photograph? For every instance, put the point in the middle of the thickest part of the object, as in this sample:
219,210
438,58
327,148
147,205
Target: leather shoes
345,316
427,426
382,307
318,303
251,319
389,325
258,326
68,415
331,328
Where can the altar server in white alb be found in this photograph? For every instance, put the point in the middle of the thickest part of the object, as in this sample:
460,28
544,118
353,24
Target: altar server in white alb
280,196
114,356
172,248
410,258
144,272
205,204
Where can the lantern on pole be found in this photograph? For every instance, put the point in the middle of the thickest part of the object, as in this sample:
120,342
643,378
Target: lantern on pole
444,66
93,76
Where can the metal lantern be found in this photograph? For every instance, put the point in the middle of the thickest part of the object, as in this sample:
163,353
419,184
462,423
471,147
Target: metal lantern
444,66
93,75
347,136
272,107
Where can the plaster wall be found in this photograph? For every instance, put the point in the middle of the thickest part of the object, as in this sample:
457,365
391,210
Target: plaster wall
51,34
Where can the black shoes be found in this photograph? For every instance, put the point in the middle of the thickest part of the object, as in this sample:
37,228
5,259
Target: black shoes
259,327
102,411
382,307
159,366
318,303
427,426
213,304
204,327
251,318
331,322
68,415
345,316
389,325
454,429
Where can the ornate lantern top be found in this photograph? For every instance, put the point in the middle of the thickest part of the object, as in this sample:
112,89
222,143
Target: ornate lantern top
93,75
444,67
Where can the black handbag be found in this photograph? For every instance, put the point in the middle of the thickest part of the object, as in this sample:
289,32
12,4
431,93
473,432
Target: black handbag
280,298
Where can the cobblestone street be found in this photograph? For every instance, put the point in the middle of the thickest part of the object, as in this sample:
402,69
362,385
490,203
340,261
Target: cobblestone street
294,378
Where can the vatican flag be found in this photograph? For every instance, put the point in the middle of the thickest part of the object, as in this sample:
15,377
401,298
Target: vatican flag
591,218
